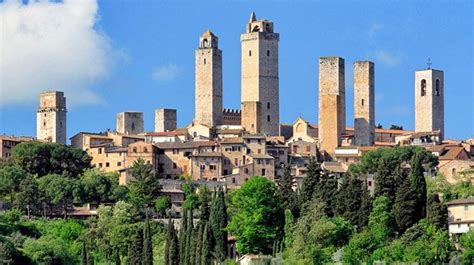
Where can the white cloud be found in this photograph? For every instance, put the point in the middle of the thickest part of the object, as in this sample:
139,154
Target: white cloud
165,72
52,46
387,58
375,28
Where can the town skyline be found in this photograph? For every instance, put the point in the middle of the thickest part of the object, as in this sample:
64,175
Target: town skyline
172,84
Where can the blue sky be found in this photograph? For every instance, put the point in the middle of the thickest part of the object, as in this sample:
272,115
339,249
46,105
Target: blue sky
139,55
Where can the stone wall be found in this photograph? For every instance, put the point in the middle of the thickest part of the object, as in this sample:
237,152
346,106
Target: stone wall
130,122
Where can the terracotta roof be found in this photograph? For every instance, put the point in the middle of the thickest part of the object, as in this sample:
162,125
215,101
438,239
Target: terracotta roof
461,201
452,153
194,144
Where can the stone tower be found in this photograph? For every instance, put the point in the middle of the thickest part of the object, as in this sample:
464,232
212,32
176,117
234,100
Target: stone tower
130,122
51,117
165,120
332,103
364,103
429,101
260,76
208,97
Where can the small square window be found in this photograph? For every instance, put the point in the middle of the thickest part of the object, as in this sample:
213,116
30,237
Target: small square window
107,164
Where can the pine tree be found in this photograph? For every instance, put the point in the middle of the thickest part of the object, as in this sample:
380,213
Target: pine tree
437,212
182,237
218,223
136,249
169,238
83,254
147,244
206,246
311,181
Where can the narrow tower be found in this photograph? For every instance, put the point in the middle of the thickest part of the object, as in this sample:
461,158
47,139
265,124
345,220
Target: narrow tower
51,117
364,103
429,101
260,92
208,97
130,122
332,103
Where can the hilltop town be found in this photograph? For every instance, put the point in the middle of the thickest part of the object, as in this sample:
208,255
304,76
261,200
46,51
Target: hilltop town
224,148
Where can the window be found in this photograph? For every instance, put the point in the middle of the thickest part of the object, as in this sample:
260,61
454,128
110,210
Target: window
250,53
268,118
308,148
362,102
202,167
60,124
268,52
100,150
423,87
212,167
369,183
119,164
258,161
145,150
44,123
100,164
134,150
437,88
263,172
268,105
107,164
236,161
174,165
246,170
204,60
259,151
233,180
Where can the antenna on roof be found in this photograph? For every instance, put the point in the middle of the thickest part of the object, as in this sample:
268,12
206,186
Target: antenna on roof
429,63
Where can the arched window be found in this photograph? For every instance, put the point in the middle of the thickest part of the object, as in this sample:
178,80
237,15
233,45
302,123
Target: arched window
268,105
453,171
423,87
145,150
134,150
204,43
437,88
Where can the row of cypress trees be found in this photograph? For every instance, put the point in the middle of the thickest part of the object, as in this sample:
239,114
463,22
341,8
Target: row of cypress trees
203,243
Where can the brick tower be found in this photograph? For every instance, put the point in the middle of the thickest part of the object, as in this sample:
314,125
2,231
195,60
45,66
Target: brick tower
51,117
260,92
208,94
429,101
332,103
364,103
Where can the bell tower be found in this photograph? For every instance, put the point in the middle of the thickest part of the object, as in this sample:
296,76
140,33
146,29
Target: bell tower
208,90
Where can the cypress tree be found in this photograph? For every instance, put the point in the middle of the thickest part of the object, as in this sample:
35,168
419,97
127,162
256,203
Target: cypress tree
218,223
182,237
117,257
83,254
189,231
311,182
169,238
136,249
349,200
326,191
419,182
147,244
173,257
129,254
285,190
365,207
437,212
206,245
199,240
192,254
90,259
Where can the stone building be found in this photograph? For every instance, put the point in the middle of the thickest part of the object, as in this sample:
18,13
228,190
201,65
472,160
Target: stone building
429,101
460,217
364,103
165,120
208,83
332,103
260,91
231,117
8,142
51,117
130,122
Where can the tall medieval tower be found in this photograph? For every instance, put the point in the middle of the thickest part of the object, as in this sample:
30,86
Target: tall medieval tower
208,97
260,92
429,101
364,103
332,103
51,117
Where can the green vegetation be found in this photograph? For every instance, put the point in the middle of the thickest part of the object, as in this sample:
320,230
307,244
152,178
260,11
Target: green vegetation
333,218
